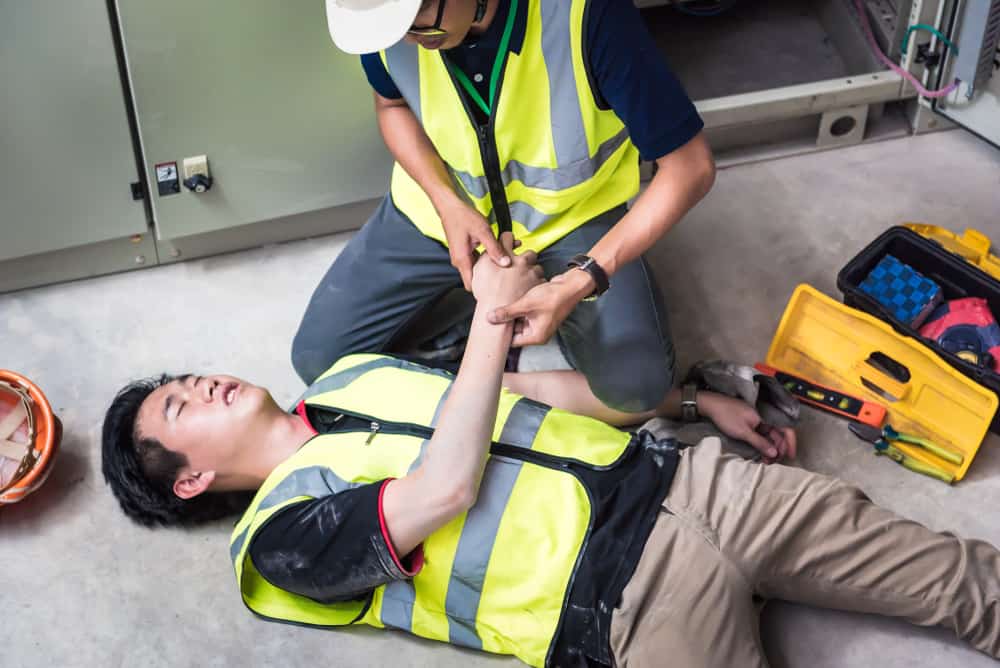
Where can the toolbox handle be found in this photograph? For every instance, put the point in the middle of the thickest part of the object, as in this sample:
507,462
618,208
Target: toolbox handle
895,370
884,376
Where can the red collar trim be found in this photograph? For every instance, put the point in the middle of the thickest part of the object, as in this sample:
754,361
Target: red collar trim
301,411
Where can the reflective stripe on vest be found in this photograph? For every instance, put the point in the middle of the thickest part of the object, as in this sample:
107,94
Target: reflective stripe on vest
478,536
563,160
567,176
494,578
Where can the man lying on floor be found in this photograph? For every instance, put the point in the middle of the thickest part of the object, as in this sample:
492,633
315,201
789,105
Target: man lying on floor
517,528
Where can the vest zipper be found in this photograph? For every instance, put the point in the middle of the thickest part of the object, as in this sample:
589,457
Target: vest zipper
515,452
488,152
354,422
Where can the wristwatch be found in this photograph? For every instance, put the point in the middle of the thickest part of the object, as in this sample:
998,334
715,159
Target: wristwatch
689,403
589,265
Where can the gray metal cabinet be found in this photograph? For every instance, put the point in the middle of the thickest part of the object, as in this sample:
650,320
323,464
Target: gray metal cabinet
66,156
285,119
974,28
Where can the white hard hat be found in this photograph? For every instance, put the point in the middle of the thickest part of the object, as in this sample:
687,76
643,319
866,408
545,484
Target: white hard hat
366,26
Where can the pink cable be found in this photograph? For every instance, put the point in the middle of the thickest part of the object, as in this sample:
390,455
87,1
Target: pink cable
893,66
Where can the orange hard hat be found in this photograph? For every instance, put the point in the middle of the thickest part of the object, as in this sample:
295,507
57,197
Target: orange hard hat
29,437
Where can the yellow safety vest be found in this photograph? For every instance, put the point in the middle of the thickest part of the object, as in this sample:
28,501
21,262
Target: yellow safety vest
494,578
550,158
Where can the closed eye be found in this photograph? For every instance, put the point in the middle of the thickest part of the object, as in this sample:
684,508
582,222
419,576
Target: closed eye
171,399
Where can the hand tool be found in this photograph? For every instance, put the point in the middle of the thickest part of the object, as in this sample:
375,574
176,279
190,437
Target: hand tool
827,398
887,433
883,440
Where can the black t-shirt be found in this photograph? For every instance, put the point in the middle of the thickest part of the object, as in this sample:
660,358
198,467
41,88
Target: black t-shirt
336,548
331,549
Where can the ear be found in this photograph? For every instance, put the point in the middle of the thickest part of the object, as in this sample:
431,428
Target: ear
192,483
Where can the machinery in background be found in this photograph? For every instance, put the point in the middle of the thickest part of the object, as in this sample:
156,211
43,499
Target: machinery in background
123,106
976,56
974,63
134,136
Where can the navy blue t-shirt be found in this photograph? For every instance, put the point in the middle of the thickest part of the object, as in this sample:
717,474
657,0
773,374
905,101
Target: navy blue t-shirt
629,73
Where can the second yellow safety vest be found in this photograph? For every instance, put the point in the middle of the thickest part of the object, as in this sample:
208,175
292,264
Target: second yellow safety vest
497,577
549,160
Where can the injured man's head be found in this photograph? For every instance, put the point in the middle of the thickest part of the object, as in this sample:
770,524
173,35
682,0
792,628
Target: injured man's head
189,449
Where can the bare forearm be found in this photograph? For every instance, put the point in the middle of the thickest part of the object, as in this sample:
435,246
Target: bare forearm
447,481
457,452
569,391
410,146
683,178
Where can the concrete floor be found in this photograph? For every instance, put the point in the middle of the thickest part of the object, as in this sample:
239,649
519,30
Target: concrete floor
82,586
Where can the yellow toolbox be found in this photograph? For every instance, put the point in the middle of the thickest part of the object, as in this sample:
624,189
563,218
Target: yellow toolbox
837,346
973,246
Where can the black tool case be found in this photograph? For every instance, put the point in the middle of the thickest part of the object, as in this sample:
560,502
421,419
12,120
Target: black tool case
956,277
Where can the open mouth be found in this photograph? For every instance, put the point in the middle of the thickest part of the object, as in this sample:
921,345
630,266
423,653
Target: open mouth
229,392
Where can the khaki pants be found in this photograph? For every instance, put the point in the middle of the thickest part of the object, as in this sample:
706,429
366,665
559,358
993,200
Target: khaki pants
736,529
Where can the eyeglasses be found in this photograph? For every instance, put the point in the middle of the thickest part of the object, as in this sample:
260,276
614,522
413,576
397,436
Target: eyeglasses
430,31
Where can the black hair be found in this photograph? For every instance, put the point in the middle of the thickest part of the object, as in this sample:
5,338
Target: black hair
141,471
